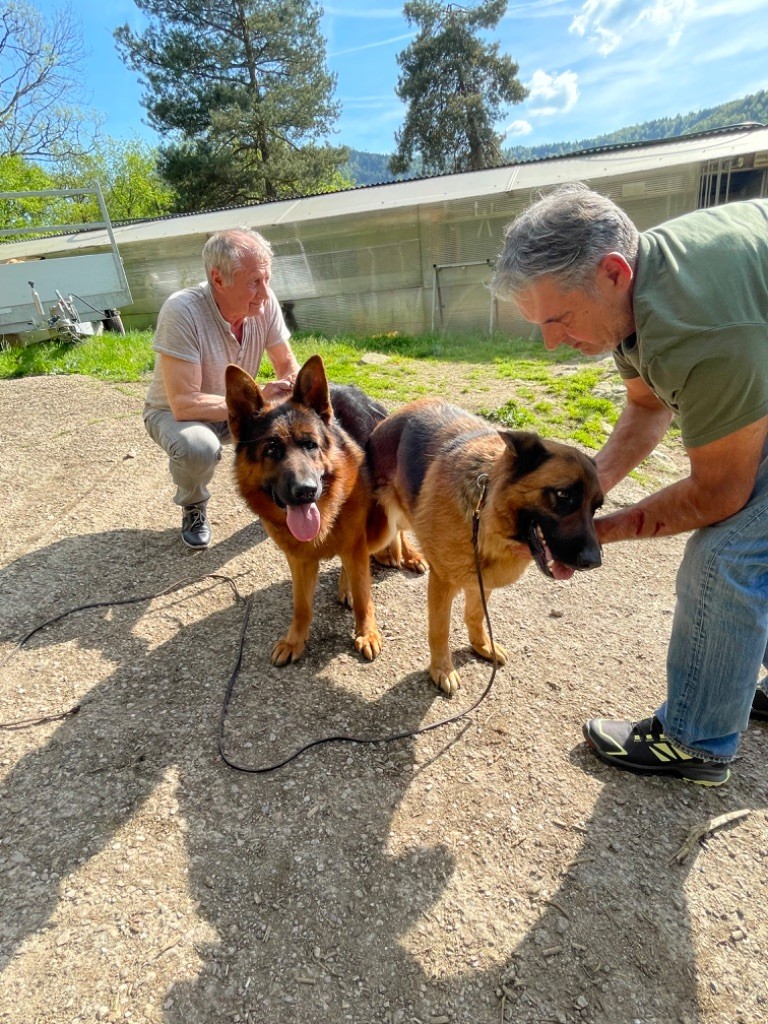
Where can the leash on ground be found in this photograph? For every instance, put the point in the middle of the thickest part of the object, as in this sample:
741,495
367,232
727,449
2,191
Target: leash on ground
228,760
27,723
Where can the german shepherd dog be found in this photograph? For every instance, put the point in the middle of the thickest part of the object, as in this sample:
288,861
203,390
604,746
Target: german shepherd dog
436,466
301,466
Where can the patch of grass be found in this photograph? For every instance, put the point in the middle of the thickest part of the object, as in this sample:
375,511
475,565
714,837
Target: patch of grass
554,391
492,349
563,406
112,357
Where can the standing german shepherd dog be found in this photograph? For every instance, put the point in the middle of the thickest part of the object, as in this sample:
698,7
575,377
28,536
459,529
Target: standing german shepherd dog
435,466
301,466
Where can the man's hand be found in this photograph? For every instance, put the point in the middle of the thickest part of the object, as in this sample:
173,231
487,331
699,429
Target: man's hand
278,390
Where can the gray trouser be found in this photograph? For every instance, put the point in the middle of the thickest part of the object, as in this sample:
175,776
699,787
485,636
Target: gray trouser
193,450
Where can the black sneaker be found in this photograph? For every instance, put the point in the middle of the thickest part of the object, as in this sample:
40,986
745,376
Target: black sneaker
759,707
643,747
195,528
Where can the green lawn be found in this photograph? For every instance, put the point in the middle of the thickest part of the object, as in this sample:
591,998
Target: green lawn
513,382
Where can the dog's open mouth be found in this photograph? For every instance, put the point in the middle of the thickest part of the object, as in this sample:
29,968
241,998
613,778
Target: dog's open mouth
543,556
303,520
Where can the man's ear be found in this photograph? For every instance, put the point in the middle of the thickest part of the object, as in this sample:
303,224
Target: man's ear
615,272
216,279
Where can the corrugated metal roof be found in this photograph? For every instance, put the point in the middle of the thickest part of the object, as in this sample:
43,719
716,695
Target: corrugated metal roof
587,165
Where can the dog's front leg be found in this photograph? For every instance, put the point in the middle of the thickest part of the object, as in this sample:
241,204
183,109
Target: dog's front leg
357,564
474,617
304,581
440,596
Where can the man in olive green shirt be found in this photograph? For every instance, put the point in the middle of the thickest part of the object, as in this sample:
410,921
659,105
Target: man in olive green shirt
683,308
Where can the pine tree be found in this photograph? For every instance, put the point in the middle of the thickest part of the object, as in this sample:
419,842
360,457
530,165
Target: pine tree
456,87
242,88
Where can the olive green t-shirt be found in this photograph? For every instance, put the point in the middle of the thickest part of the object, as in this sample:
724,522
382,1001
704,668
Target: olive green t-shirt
701,317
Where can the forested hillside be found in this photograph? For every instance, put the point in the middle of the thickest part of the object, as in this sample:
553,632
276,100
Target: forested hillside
372,168
750,108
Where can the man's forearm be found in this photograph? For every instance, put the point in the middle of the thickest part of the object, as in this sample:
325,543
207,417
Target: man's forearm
681,507
636,434
202,407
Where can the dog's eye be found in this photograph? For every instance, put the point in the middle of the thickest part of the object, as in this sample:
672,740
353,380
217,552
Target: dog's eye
308,444
273,450
564,499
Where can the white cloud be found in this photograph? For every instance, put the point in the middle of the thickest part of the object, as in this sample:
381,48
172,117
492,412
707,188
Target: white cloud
517,129
669,15
552,94
593,14
608,24
538,9
386,107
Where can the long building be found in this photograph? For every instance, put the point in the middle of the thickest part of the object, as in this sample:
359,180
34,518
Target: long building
415,255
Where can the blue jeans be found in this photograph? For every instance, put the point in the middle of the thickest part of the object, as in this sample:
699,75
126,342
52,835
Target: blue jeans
193,450
720,630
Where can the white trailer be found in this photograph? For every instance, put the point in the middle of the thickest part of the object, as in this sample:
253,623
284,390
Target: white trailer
69,297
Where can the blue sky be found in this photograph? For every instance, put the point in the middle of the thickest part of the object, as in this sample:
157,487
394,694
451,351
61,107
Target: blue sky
591,67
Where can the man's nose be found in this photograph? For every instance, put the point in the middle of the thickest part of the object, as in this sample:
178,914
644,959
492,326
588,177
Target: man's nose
553,335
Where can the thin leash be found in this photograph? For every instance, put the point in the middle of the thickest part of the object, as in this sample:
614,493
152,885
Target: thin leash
482,485
27,723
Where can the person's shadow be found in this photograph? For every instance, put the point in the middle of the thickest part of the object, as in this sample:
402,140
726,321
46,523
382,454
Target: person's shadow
292,871
618,935
613,928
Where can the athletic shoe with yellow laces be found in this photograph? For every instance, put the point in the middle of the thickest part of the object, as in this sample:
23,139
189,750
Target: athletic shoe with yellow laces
642,747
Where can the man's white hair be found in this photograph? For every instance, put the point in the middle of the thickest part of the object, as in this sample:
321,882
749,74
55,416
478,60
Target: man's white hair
226,250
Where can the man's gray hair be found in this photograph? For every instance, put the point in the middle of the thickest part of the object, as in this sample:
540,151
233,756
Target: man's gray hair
226,250
563,235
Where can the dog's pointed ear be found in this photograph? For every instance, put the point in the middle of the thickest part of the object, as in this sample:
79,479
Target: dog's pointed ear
311,388
244,399
527,449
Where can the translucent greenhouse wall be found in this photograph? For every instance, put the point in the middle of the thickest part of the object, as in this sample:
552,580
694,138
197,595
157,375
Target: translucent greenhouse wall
376,272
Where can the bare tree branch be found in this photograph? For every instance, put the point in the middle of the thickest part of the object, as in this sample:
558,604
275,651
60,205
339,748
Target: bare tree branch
41,63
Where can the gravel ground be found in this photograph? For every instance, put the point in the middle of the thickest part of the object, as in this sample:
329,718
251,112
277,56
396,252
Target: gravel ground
488,871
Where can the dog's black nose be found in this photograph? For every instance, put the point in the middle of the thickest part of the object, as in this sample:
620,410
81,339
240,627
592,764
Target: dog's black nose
589,558
305,492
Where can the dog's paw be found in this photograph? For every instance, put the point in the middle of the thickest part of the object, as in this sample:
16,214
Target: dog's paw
485,650
344,592
411,558
447,681
415,562
285,653
389,557
369,645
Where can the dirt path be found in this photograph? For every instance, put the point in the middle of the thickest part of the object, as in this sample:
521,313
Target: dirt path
486,871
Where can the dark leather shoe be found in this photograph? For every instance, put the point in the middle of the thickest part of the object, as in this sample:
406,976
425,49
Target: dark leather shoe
759,706
195,528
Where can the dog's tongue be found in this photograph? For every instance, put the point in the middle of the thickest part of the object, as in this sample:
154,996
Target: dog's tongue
560,571
303,521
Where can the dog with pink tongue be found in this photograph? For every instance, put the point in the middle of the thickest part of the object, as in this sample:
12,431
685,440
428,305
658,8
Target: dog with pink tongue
302,467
